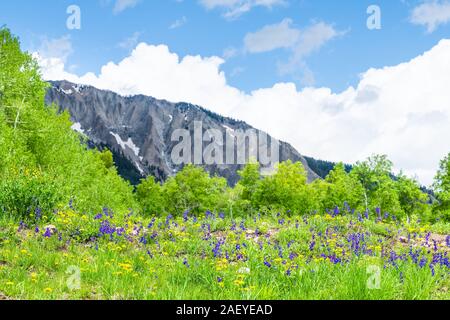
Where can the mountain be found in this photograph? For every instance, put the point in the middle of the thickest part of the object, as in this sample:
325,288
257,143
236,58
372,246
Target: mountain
138,130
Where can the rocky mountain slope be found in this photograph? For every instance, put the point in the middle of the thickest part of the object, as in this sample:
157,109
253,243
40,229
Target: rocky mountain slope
138,130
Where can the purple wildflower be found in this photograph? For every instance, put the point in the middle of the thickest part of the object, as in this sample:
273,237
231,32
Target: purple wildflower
47,233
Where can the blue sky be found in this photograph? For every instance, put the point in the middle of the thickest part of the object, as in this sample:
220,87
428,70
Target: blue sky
309,72
208,32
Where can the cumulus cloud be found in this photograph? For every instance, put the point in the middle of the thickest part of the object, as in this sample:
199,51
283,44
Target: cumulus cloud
431,14
235,8
57,47
300,42
272,37
130,42
122,5
402,111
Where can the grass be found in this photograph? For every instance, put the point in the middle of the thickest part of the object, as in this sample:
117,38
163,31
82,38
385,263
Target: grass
74,256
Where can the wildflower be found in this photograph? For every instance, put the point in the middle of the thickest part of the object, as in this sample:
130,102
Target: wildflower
22,226
186,216
186,263
48,290
150,225
288,272
98,216
447,240
267,264
38,213
36,230
47,233
221,215
336,211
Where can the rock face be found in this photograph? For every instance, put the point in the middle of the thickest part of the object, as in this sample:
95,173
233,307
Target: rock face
139,130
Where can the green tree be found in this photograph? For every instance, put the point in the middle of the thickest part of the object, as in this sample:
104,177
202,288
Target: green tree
441,187
286,189
44,163
193,189
150,196
342,188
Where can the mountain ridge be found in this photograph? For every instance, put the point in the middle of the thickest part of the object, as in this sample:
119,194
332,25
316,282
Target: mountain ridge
138,129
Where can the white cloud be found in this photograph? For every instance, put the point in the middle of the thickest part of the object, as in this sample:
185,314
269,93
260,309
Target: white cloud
178,23
402,111
271,37
122,5
431,14
58,47
130,42
300,42
311,40
235,8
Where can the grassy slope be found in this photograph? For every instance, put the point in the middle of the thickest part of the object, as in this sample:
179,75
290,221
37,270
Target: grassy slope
177,261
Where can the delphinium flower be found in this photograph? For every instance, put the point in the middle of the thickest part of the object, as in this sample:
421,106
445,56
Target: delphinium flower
216,250
288,272
186,216
346,206
305,220
290,243
47,233
312,245
168,218
151,224
447,241
222,215
143,240
386,215
186,263
98,216
378,212
267,264
242,226
106,228
233,226
423,262
292,256
427,238
209,214
336,211
296,224
22,226
280,221
366,214
38,213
